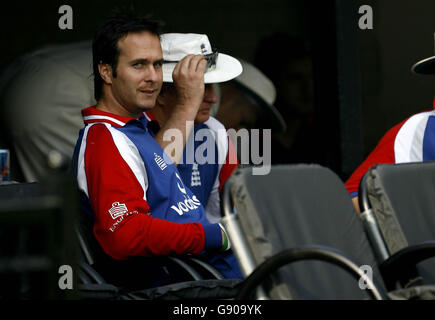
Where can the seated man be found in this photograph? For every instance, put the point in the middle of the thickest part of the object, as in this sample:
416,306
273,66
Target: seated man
412,140
203,171
132,195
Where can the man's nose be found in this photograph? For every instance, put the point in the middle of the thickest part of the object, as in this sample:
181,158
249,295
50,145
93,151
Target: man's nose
154,74
210,95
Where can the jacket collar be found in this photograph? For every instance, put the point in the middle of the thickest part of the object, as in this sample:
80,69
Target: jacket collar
149,115
94,115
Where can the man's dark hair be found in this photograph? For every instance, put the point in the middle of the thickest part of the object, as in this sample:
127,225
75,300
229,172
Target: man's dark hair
105,44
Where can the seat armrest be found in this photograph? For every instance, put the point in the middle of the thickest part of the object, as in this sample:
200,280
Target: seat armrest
401,265
319,253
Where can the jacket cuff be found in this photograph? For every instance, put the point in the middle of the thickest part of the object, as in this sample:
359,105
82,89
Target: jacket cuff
353,194
213,236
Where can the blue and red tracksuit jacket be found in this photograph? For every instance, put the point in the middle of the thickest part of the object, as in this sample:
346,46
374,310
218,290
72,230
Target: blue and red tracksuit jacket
138,201
412,140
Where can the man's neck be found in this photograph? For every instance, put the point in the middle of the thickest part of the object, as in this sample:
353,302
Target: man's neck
109,104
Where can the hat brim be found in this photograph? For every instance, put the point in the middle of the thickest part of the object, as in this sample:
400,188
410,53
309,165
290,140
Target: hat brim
273,117
425,66
227,68
269,113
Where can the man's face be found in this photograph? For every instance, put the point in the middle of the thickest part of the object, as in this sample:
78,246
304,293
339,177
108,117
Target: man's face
139,74
169,100
210,98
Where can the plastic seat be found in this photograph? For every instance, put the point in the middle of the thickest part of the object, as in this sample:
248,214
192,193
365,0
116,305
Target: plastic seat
398,204
298,214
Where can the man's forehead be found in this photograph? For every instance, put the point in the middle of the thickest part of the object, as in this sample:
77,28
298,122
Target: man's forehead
138,44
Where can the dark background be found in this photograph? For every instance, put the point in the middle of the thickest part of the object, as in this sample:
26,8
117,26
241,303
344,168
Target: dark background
363,84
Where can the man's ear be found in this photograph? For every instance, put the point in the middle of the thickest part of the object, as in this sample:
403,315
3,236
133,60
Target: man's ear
105,72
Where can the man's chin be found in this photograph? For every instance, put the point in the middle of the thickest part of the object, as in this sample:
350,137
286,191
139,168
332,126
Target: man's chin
202,117
147,105
147,108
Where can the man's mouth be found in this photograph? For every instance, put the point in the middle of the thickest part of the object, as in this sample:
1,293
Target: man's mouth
148,92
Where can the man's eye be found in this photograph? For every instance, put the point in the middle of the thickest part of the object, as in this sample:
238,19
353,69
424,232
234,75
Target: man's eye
137,65
158,64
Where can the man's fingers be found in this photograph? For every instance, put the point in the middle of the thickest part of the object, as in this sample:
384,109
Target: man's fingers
183,64
190,65
188,78
193,62
197,64
200,67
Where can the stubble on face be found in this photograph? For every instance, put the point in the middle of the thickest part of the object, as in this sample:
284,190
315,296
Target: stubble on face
139,74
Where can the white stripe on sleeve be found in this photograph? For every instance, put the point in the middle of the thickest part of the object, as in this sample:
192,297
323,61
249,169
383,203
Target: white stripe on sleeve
408,145
129,152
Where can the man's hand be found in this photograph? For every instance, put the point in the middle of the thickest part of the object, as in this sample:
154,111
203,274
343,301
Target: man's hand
188,78
356,205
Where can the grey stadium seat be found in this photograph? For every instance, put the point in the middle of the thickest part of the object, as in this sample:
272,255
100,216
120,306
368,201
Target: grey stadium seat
298,208
398,209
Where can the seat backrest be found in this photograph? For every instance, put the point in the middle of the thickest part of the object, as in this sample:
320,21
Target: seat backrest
402,200
298,205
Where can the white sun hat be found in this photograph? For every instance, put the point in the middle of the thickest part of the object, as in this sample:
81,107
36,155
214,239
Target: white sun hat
259,87
176,46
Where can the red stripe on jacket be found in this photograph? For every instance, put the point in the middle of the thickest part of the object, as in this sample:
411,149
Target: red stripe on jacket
231,163
382,154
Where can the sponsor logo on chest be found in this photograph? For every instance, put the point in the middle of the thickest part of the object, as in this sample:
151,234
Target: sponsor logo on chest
189,203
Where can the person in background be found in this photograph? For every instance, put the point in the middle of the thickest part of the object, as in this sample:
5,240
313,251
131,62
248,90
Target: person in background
412,140
292,76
